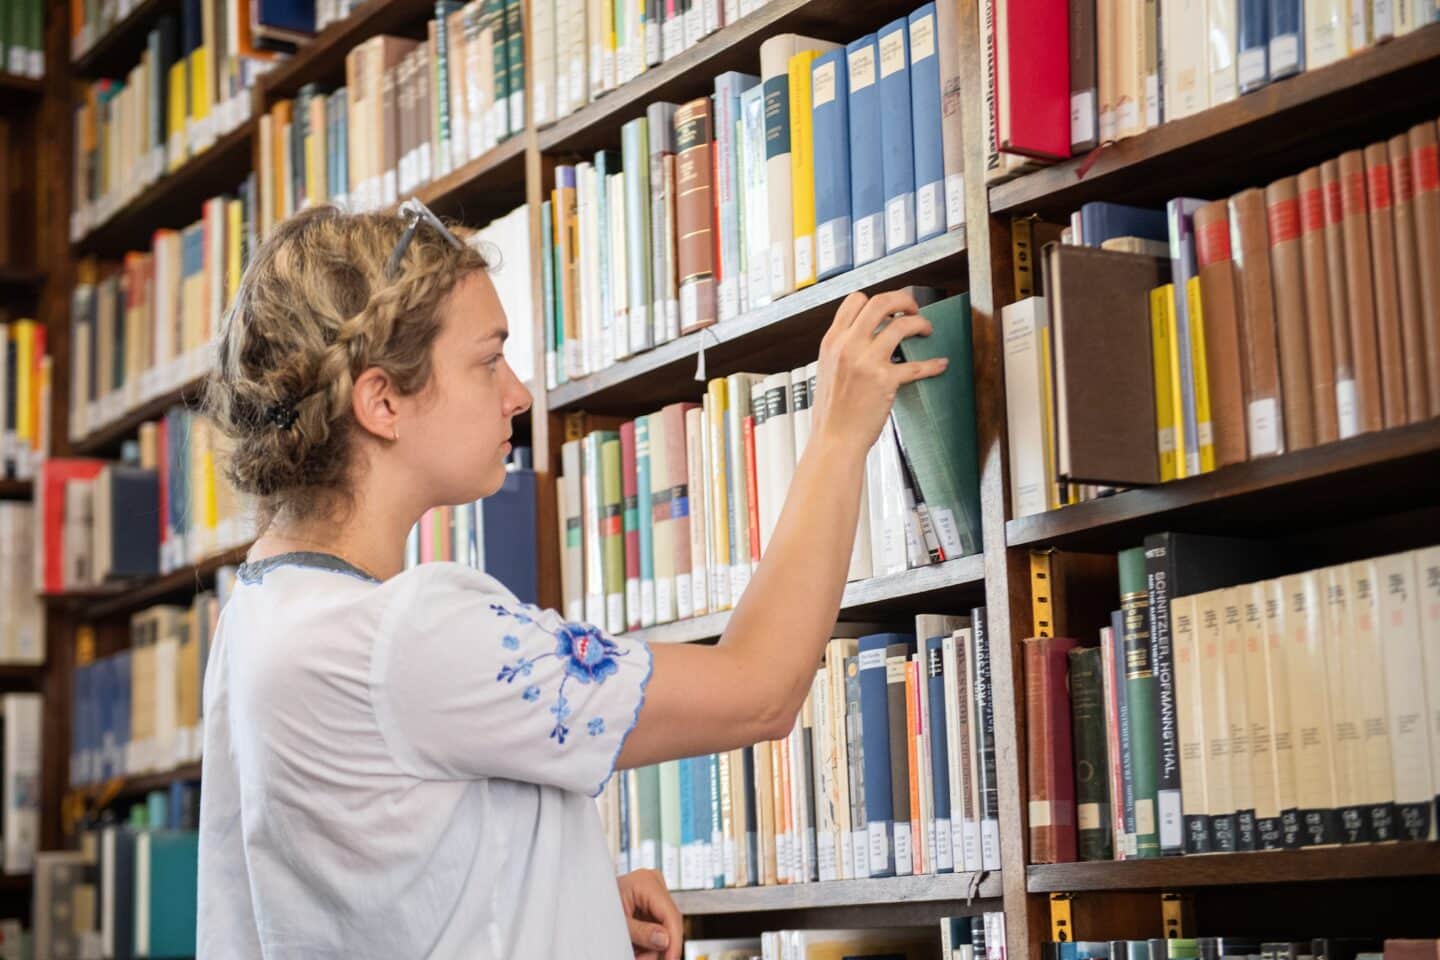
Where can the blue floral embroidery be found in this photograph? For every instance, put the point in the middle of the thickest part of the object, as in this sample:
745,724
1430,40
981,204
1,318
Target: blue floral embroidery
588,656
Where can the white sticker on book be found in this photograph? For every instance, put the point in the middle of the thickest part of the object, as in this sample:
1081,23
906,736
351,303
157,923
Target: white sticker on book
928,209
892,53
904,855
804,258
1284,53
1127,117
1347,405
1087,815
861,64
990,844
689,304
899,222
827,857
1171,826
777,269
1040,813
1251,67
1082,116
879,846
632,602
922,38
872,659
615,612
822,85
729,299
825,257
1152,100
943,845
1144,815
867,238
947,531
664,599
1264,432
684,606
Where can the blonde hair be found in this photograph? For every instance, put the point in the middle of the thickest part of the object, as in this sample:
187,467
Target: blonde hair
313,311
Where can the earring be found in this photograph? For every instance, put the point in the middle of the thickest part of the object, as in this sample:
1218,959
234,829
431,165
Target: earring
395,433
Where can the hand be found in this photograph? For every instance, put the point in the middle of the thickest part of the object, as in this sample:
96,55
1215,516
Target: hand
857,382
655,927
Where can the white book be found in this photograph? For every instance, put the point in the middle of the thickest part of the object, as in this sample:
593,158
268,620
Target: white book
1346,720
1327,32
822,772
1263,784
619,281
1382,19
1223,33
778,460
1398,601
590,524
1361,25
1026,335
1190,722
1427,567
20,821
1310,707
754,198
1185,81
697,479
835,654
888,520
950,666
1242,784
1219,784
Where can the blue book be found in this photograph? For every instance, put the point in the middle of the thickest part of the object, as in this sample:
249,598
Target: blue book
717,835
1180,214
507,554
700,800
1252,64
897,150
939,756
1287,38
830,109
728,186
925,125
174,873
867,178
622,800
1101,221
157,809
688,828
875,731
119,706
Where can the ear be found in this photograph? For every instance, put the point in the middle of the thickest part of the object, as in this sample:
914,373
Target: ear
374,403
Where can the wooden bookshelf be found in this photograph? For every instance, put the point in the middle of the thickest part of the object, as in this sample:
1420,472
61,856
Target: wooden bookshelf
1360,862
1382,472
174,200
482,189
15,89
782,334
106,440
20,279
111,600
114,52
16,489
21,676
952,893
136,787
1278,130
322,60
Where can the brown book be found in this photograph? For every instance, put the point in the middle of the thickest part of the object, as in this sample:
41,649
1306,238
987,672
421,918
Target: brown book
1050,758
1380,204
1282,219
1099,302
1250,245
1223,361
1425,169
676,462
1407,277
1412,950
1348,422
1084,78
7,222
459,105
947,28
694,215
1360,290
1319,329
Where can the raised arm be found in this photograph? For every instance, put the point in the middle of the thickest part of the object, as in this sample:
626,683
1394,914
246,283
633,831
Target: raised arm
750,685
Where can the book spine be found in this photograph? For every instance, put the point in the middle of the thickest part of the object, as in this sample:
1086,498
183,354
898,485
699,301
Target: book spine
988,807
1366,688
830,99
867,178
1345,729
1223,50
927,124
1286,38
1360,292
1113,679
1092,794
1427,583
1141,696
754,215
693,216
699,503
720,496
1425,170
1380,201
727,191
738,498
631,519
1180,216
1252,62
1282,217
663,519
645,512
1281,714
1084,81
778,177
1398,599
1190,705
898,145
1265,430
1310,708
947,31
612,534
896,669
1159,576
802,167
874,725
937,718
1051,763
1318,322
856,766
1407,273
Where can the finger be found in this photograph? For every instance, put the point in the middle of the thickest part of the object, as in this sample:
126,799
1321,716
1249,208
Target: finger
920,369
909,325
648,936
848,310
882,306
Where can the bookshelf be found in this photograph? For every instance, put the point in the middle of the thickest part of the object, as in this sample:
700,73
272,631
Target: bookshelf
1366,479
19,90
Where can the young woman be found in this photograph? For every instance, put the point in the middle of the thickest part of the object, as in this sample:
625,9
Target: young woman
400,764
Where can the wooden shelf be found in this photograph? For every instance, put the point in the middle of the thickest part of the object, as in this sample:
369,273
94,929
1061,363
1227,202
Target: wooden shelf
176,199
17,89
16,489
692,74
476,192
942,586
783,334
114,52
1279,129
889,891
322,60
21,676
20,278
138,786
106,440
1374,473
1361,862
16,882
124,598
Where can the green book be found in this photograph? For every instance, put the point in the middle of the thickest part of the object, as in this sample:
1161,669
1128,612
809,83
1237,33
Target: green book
443,9
592,511
670,822
635,161
515,64
174,871
1092,791
643,462
935,421
1140,693
612,531
647,786
547,292
498,120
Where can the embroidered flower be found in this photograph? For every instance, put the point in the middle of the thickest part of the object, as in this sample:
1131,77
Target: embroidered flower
596,726
590,655
532,693
510,642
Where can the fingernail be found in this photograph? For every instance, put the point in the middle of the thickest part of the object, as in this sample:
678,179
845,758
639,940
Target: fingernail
659,940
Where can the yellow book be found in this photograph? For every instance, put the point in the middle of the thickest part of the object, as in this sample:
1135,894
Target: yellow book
22,332
177,111
1206,432
1162,325
279,173
715,408
1047,396
234,228
315,185
202,85
802,167
208,512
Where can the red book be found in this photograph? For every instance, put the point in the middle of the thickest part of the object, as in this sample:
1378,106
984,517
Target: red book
54,474
1053,834
629,486
752,488
1032,79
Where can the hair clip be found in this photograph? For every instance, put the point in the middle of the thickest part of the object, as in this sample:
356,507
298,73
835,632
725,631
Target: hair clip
414,212
282,415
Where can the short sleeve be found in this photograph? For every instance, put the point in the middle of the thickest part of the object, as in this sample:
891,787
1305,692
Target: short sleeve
467,682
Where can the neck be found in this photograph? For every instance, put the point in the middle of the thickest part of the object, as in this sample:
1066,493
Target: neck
370,539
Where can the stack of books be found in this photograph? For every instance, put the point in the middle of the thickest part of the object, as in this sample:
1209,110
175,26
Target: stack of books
22,38
667,517
24,397
1241,948
717,207
22,618
1282,318
890,771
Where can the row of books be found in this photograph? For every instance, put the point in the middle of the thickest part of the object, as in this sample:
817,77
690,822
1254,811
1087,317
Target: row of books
130,890
22,617
168,507
1224,712
833,156
191,86
585,48
1281,318
1241,948
141,710
667,517
257,26
1102,70
147,327
495,535
24,397
22,38
21,716
978,937
889,771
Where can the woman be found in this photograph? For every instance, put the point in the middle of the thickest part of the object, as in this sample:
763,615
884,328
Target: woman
400,763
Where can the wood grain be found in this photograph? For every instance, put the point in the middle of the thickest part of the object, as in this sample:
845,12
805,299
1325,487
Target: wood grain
122,599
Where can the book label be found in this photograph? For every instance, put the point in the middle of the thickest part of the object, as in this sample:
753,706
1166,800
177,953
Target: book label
947,531
1144,815
899,222
860,851
1251,67
1264,430
1040,813
777,267
1090,816
928,210
664,600
878,848
862,68
922,38
1171,823
1152,100
892,53
904,855
729,289
990,844
805,257
1082,117
822,85
943,845
684,603
1346,405
827,857
954,201
828,238
867,235
632,602
1284,54
689,304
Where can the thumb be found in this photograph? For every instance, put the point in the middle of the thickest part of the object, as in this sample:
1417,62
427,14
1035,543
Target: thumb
646,935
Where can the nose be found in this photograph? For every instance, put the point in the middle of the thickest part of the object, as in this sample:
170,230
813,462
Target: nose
518,398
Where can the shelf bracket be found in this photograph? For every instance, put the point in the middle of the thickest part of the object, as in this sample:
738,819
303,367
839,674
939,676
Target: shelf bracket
1177,910
1062,927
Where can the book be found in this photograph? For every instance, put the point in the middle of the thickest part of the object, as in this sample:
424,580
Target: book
1032,83
1359,285
1389,341
802,165
1052,814
1407,275
1223,360
694,225
1282,216
1265,426
830,101
867,179
927,128
897,154
1320,325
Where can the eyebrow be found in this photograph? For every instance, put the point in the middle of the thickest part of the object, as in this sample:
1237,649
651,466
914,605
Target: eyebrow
502,335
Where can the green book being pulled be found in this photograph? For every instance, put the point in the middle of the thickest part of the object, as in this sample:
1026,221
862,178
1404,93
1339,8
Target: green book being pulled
1092,792
935,420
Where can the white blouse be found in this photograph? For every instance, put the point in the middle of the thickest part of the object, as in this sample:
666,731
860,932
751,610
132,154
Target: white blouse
404,769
